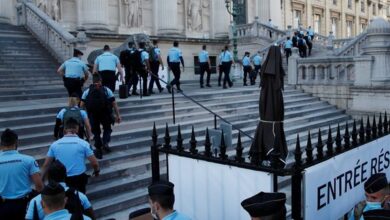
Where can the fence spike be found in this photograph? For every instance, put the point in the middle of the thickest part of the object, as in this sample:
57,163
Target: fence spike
354,135
167,138
179,139
361,132
338,140
154,134
374,129
329,143
368,130
222,150
298,153
309,150
239,149
347,142
207,144
385,124
380,125
320,145
193,142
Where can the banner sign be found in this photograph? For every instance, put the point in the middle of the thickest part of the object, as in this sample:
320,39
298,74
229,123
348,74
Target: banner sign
333,187
206,190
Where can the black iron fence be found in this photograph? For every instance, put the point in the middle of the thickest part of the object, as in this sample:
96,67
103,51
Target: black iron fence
343,141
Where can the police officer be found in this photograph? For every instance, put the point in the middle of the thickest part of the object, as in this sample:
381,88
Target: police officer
53,203
106,64
17,173
376,190
309,44
161,201
144,69
57,173
266,206
227,61
100,115
131,78
220,69
310,32
287,48
247,67
173,59
72,152
155,62
204,64
74,73
257,60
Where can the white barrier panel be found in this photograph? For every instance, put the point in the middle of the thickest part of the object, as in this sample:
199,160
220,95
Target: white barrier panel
206,190
333,187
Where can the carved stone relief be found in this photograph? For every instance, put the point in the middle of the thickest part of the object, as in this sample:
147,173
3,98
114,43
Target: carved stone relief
197,15
133,13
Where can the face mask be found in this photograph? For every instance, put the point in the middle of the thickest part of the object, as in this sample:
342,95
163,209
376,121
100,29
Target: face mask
153,213
372,206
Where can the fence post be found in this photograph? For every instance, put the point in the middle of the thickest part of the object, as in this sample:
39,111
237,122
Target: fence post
320,145
354,135
374,129
385,125
368,130
155,156
347,142
222,150
193,141
173,106
361,132
239,149
167,138
380,125
207,144
296,183
179,140
329,143
215,121
309,149
338,140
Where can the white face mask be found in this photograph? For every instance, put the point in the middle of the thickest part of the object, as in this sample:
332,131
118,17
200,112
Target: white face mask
372,206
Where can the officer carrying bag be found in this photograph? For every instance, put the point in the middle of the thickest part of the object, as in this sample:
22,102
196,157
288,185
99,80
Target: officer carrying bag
96,102
73,204
74,113
123,91
136,60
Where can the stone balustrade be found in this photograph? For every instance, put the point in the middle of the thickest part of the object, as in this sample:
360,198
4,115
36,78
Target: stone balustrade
257,29
58,41
339,43
350,46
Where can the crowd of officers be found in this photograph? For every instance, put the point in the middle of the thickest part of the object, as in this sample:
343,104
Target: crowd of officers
301,40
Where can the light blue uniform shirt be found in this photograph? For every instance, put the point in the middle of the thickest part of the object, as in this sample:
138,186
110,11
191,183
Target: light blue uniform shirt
144,57
288,44
174,55
37,200
108,93
203,56
72,152
74,68
60,114
257,60
227,56
220,58
176,216
311,32
246,61
157,52
107,61
62,215
15,174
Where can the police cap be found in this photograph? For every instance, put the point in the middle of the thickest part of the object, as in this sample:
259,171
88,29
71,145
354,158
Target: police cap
377,214
161,188
264,204
53,188
77,52
375,183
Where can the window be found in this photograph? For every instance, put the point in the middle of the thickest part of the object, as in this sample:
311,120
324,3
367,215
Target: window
335,2
349,28
350,4
363,26
362,6
317,23
373,9
334,26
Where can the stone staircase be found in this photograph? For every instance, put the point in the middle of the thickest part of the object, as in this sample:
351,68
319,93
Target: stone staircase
31,96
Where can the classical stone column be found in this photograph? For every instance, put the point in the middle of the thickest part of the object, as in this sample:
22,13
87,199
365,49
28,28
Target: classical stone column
92,14
221,19
167,17
8,11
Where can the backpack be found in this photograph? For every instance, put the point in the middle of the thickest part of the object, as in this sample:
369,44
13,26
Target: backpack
73,204
136,60
74,113
124,57
301,43
153,55
96,102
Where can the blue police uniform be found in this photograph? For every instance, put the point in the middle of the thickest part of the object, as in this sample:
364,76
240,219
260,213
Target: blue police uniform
15,183
174,58
75,70
204,67
62,214
58,128
175,215
83,113
107,63
131,78
287,48
142,72
72,152
102,118
37,201
246,63
227,60
220,68
155,67
257,60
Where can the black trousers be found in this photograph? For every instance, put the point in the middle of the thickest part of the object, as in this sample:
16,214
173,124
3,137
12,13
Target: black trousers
204,67
108,79
154,66
175,67
247,70
73,85
78,182
288,53
143,74
105,120
310,46
13,209
220,74
302,51
226,70
131,79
